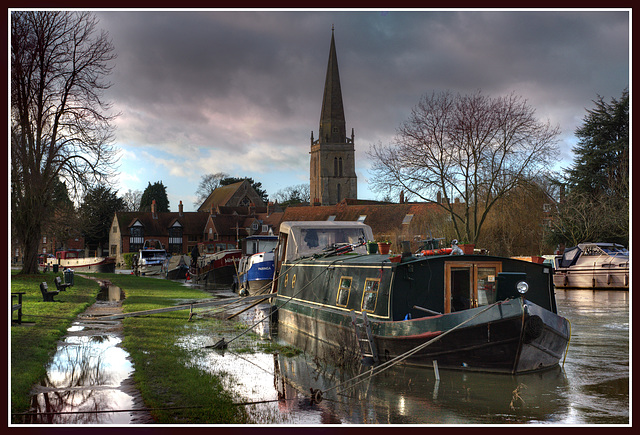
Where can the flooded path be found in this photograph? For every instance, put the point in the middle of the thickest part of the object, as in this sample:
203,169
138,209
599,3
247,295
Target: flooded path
90,373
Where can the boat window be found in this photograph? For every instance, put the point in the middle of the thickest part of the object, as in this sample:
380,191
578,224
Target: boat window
486,284
343,291
470,285
370,295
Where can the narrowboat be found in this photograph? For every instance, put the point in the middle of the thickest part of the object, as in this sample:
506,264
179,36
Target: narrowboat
72,260
217,269
593,266
467,312
256,267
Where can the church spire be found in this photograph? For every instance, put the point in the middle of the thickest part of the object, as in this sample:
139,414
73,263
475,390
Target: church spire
332,123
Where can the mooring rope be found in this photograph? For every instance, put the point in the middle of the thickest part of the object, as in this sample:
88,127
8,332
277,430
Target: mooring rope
317,394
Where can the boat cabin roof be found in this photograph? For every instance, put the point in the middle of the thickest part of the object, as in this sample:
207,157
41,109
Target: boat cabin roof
306,238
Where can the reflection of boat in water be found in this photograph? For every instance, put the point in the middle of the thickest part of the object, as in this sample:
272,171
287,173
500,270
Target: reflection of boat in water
593,266
412,395
466,312
256,268
71,260
178,266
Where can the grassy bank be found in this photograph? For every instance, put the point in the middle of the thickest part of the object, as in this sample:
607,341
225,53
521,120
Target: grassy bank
164,372
34,342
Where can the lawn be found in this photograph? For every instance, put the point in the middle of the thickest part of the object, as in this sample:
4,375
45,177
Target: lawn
176,390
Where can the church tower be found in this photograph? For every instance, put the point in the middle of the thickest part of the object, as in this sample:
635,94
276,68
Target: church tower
333,166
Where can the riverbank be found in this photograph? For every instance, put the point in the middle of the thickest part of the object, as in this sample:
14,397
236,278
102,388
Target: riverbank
171,386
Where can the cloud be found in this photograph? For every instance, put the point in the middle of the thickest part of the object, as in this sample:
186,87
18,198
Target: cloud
240,92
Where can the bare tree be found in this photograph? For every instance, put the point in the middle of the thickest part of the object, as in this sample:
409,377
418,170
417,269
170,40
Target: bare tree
471,149
208,183
59,125
131,200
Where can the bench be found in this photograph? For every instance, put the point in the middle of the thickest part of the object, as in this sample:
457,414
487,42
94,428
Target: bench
46,294
60,285
17,306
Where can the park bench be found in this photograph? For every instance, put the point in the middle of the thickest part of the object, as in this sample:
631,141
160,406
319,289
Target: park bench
17,306
60,285
46,294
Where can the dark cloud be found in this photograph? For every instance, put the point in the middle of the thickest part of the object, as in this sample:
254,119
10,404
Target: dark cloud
221,80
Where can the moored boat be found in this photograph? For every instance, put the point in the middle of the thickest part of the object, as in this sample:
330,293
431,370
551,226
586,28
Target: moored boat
151,259
218,269
256,267
71,260
468,312
178,266
593,266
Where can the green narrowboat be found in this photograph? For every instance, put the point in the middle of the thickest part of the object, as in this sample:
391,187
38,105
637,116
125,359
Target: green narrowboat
468,312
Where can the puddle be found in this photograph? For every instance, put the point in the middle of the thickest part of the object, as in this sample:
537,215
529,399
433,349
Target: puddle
88,381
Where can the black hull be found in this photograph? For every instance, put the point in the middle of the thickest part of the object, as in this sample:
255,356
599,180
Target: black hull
500,345
222,276
178,273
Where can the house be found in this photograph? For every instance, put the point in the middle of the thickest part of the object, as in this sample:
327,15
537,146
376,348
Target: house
178,231
240,194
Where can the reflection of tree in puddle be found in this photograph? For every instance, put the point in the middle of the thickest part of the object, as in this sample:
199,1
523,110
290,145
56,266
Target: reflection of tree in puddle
81,377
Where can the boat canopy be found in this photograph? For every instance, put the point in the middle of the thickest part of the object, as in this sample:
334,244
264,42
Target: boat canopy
307,238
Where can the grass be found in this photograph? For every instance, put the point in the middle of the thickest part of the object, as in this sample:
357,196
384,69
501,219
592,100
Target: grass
33,344
163,370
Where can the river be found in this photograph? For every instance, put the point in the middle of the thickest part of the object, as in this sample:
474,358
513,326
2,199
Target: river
90,371
591,387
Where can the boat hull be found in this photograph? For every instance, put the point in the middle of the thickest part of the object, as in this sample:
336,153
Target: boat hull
512,337
89,265
588,278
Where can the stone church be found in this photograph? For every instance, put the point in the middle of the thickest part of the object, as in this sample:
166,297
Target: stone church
333,167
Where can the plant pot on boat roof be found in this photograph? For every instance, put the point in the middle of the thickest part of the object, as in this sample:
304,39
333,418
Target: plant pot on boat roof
372,247
384,247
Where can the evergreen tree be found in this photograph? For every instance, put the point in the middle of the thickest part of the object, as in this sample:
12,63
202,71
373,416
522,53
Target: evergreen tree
157,191
596,207
96,214
601,164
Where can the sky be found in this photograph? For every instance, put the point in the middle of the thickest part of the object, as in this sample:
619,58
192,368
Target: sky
240,92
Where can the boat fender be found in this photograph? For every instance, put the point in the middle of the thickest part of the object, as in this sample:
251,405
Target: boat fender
408,316
316,395
187,276
532,329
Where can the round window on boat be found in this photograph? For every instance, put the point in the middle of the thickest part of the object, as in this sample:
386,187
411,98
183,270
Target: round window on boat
293,281
286,279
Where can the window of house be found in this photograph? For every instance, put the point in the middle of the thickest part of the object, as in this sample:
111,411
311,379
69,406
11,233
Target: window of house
265,228
255,226
44,239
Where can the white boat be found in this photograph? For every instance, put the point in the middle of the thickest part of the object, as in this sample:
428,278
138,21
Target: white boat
593,266
151,260
72,260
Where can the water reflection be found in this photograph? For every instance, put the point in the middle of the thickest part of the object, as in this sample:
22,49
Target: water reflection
87,373
84,375
592,387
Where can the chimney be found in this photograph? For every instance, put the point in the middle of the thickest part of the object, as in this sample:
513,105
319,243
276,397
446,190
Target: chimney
401,196
154,211
180,209
439,197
